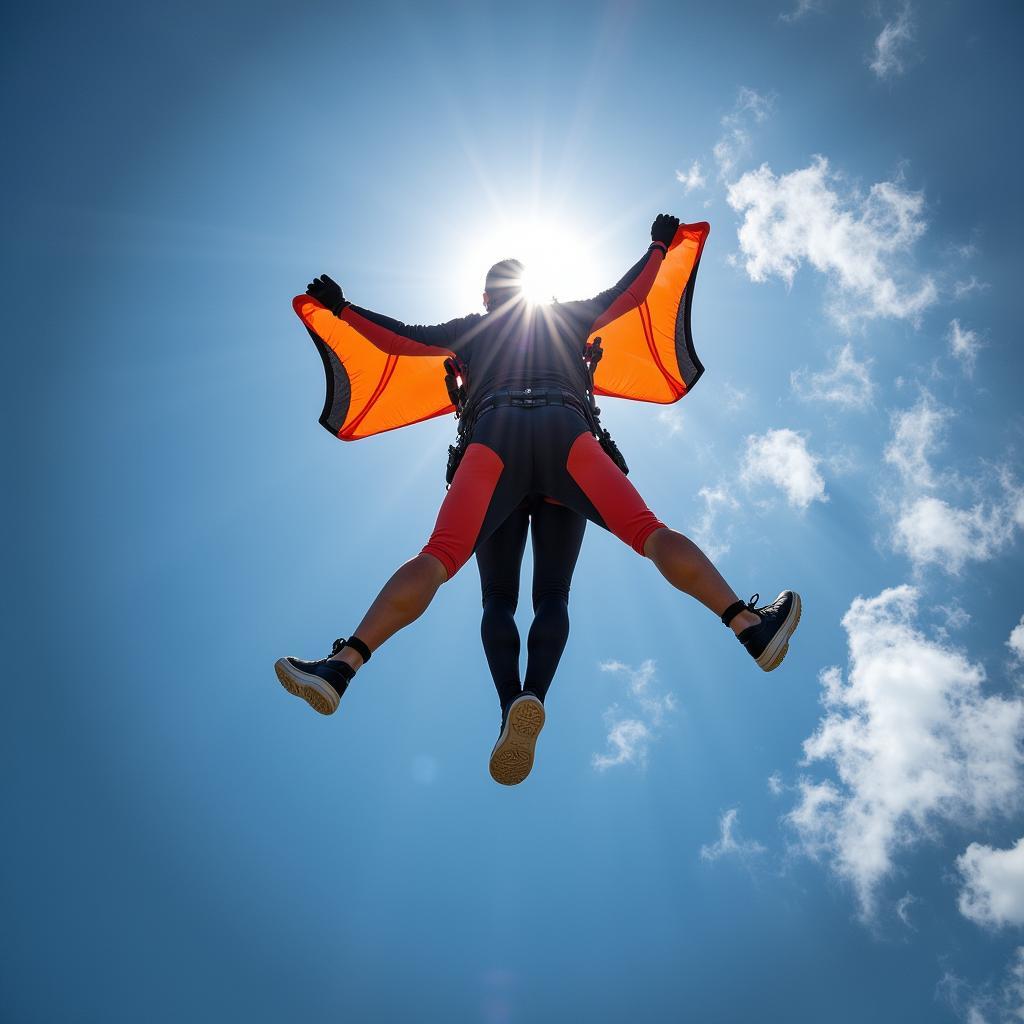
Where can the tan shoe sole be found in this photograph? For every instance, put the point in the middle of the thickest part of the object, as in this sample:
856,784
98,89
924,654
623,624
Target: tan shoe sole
320,696
512,756
774,654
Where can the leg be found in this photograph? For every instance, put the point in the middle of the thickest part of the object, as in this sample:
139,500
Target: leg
407,595
499,559
557,535
620,509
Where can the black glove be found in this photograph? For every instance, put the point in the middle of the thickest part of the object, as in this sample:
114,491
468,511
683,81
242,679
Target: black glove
328,293
664,229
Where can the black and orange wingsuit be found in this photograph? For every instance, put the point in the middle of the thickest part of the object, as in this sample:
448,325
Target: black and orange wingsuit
382,374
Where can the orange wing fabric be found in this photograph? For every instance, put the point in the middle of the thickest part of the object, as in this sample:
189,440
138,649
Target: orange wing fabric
369,391
648,351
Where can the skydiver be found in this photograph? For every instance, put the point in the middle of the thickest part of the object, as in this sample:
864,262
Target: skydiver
531,436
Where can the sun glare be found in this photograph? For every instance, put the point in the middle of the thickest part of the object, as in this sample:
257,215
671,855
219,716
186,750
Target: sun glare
559,262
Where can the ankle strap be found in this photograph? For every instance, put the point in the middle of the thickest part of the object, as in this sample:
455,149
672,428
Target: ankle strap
359,647
355,643
734,609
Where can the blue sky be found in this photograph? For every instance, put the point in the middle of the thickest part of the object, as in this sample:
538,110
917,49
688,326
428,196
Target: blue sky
836,841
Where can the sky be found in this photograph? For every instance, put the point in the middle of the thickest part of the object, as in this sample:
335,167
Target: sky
840,840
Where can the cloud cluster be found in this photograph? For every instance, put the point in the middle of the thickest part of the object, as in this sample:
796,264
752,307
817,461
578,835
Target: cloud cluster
631,731
856,241
917,435
993,891
781,458
708,533
803,7
691,179
995,1002
751,108
847,384
889,54
929,529
964,346
728,843
1016,641
913,742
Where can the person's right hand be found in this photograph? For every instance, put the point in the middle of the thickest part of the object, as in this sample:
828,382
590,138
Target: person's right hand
664,229
328,293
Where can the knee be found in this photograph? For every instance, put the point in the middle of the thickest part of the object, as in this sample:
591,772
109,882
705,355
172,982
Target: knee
551,615
654,540
500,595
416,582
551,594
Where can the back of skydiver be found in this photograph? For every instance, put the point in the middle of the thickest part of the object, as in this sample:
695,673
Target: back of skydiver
528,387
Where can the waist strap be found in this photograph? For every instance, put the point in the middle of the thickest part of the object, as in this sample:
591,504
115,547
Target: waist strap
529,398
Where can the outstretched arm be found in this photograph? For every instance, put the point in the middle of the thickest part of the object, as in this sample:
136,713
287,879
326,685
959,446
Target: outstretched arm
633,288
388,334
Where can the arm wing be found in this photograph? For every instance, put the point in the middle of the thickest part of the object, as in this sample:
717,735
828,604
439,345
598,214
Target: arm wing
377,378
648,346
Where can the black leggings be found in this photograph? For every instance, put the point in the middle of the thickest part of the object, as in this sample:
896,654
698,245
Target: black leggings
557,536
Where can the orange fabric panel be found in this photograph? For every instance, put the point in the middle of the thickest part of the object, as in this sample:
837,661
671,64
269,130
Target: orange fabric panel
640,360
387,391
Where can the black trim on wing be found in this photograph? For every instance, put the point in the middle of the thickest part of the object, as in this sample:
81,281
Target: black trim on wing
690,365
339,390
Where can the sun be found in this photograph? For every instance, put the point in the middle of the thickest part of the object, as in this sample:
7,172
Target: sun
558,258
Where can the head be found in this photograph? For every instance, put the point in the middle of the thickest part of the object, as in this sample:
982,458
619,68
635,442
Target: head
504,284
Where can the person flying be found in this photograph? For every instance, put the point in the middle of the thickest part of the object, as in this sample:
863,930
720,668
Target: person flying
528,387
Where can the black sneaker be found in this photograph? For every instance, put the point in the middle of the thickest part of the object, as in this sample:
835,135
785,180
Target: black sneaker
320,684
512,756
768,641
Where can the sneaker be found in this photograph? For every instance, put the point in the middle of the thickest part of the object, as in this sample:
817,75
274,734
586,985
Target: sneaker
768,641
320,684
512,756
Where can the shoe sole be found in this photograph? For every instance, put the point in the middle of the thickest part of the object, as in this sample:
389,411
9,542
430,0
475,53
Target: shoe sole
320,696
512,756
774,654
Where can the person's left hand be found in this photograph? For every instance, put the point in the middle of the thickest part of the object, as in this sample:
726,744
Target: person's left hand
328,293
664,229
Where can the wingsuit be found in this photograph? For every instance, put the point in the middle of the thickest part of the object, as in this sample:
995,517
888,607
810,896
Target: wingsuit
529,399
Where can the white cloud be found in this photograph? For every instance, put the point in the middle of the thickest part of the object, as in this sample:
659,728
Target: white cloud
856,241
734,397
994,1002
671,418
729,843
781,458
1016,641
628,739
708,533
691,179
993,890
889,59
847,384
630,733
961,289
913,742
964,345
930,529
751,108
932,532
917,435
775,785
955,616
903,905
802,8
